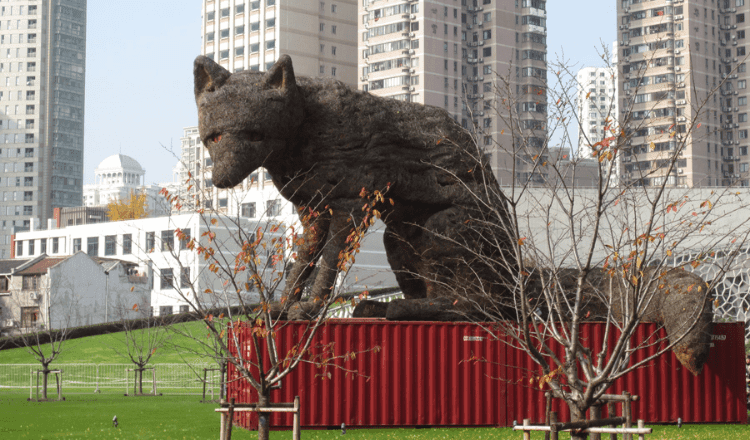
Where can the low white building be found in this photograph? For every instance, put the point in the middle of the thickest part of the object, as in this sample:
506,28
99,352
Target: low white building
69,291
153,245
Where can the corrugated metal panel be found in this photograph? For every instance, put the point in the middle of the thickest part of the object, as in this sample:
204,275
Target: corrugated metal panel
423,376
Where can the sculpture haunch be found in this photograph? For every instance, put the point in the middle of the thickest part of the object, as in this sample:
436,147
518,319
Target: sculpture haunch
322,142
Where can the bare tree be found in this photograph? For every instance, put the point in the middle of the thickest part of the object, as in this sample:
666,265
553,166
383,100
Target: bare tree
143,338
242,273
623,251
41,334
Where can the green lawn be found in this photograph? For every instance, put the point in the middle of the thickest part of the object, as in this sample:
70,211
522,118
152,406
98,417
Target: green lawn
183,417
104,348
89,416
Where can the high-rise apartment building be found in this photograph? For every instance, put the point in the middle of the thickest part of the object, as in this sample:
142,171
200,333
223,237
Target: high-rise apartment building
320,36
42,72
470,57
683,71
596,106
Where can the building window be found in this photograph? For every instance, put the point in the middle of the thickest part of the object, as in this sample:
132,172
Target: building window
165,310
185,277
210,36
270,45
254,48
223,202
271,22
273,208
150,241
31,247
19,248
29,316
248,210
167,279
76,245
4,285
255,5
239,51
92,246
239,9
110,245
185,239
333,71
167,240
30,282
333,28
55,245
127,244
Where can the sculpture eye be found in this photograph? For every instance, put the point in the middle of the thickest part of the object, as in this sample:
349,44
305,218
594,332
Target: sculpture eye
216,139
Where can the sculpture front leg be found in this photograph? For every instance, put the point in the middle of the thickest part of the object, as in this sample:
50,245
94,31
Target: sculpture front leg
314,234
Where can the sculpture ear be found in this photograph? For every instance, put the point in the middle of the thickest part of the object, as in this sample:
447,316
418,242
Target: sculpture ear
281,75
208,75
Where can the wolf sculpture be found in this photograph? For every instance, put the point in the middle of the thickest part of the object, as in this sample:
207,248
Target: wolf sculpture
447,233
322,142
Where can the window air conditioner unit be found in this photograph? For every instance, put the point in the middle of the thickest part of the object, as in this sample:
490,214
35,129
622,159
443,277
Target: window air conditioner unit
413,16
481,43
412,71
481,60
363,79
9,323
677,51
411,35
681,102
736,125
735,92
680,171
34,296
411,51
479,23
412,89
678,69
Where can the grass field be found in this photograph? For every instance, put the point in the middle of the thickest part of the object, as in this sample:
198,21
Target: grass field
89,416
104,348
183,417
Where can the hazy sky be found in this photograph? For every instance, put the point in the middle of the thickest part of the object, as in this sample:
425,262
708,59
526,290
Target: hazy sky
139,83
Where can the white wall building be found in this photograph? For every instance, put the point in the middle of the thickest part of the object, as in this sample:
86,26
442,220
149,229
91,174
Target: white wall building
152,245
70,291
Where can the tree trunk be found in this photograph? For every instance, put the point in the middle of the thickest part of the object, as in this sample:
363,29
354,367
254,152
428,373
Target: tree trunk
577,415
140,380
264,418
45,380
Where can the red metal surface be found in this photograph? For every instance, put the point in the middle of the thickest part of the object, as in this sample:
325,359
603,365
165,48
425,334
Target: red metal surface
423,376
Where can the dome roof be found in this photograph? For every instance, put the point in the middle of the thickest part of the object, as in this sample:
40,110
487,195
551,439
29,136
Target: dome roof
120,162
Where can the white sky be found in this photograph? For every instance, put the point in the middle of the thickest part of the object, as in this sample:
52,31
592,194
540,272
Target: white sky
139,79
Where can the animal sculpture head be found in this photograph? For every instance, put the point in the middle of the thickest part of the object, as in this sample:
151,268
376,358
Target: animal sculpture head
247,118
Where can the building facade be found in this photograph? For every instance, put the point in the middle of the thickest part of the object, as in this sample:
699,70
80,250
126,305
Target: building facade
320,36
684,78
119,176
60,292
42,72
470,58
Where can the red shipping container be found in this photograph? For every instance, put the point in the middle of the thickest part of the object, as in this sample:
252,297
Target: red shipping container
425,375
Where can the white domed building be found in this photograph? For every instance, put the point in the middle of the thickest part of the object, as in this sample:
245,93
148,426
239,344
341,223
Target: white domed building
117,177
